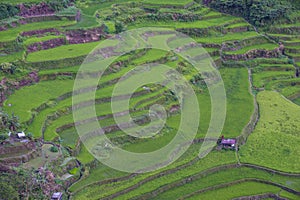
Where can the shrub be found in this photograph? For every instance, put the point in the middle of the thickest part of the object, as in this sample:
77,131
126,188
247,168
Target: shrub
3,137
30,135
54,149
58,5
7,191
7,10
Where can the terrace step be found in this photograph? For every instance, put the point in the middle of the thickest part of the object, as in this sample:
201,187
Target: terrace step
224,185
292,50
284,37
292,30
292,43
197,176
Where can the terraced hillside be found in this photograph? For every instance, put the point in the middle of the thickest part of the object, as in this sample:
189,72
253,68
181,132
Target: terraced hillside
40,59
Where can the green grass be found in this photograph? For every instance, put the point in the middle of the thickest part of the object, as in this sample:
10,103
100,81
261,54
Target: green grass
36,126
276,134
282,67
186,172
32,40
265,46
297,101
12,33
213,159
238,190
226,176
27,98
66,51
85,22
150,56
40,117
261,78
288,25
237,25
290,91
239,100
11,57
168,2
20,1
279,84
69,138
220,38
84,156
288,195
73,69
96,174
196,24
190,154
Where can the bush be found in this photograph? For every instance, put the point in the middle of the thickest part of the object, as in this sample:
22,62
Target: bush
72,10
54,149
119,27
8,10
29,135
3,137
58,5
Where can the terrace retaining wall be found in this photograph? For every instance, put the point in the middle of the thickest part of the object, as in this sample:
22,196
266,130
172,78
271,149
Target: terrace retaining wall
17,149
54,64
22,159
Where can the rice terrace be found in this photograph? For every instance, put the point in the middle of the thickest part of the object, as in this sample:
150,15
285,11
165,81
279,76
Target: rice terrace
148,99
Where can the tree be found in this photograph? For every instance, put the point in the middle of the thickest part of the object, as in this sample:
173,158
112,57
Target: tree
8,122
119,27
7,68
8,10
256,12
14,122
8,192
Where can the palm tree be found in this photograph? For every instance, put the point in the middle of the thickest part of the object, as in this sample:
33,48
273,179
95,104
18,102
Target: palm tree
14,122
3,120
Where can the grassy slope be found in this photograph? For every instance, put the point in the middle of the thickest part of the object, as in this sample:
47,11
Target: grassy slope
239,100
30,97
225,176
209,161
220,38
276,134
243,189
66,51
240,106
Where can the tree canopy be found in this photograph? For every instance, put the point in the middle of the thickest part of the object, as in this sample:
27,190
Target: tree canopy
256,12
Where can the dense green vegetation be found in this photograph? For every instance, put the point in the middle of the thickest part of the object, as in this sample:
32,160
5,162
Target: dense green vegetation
255,47
255,11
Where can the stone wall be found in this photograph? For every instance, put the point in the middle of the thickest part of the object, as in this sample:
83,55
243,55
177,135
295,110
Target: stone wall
46,45
25,147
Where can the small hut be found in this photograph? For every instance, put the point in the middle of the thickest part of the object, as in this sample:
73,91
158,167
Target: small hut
228,143
21,135
57,196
